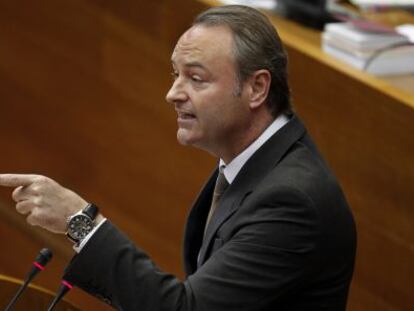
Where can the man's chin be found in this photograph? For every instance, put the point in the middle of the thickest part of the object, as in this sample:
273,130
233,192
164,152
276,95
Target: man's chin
183,137
183,142
187,138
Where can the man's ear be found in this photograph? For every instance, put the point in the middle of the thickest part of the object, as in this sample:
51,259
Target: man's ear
259,88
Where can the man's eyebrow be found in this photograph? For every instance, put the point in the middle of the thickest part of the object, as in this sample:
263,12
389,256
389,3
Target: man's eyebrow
195,64
191,64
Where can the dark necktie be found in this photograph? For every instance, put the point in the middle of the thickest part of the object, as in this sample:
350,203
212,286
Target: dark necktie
219,189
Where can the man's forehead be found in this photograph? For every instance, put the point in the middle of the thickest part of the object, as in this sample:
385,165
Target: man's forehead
198,39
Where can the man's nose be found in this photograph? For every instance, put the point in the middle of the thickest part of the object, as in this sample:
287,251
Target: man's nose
176,93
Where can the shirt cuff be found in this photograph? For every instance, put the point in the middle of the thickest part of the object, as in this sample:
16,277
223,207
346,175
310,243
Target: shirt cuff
76,248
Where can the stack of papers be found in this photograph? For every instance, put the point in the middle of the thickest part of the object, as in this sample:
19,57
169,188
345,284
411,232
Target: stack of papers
382,3
387,53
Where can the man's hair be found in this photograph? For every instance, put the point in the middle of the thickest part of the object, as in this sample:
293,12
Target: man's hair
257,46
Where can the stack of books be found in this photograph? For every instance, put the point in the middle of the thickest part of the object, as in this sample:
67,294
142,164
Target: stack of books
376,52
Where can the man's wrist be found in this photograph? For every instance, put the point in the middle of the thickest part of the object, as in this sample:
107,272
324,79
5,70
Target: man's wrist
82,223
99,218
99,221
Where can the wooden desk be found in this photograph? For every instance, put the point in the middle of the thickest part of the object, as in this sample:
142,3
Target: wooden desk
34,298
82,86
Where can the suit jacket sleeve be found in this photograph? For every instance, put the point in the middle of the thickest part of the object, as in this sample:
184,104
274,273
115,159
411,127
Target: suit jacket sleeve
269,254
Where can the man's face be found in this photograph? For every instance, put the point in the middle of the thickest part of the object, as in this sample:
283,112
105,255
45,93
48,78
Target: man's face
211,115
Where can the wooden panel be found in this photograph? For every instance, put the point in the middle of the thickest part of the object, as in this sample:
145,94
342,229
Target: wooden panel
82,86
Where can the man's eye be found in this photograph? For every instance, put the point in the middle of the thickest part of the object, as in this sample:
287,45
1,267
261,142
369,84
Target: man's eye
196,78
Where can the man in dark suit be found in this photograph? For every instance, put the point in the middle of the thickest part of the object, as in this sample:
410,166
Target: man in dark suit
271,229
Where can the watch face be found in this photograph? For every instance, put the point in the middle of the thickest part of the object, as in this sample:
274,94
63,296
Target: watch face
80,226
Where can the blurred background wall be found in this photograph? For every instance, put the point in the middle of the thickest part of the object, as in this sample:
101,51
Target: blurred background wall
82,87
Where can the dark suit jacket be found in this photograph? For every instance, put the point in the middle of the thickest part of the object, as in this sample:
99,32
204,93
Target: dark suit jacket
282,238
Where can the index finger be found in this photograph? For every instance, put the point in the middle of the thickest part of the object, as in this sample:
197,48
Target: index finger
16,180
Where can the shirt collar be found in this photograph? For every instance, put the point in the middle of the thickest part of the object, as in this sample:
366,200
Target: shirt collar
233,168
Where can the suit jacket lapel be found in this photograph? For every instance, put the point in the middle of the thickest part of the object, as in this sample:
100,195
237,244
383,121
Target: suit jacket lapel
249,176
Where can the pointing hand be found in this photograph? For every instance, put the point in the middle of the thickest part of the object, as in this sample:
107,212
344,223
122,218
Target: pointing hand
46,203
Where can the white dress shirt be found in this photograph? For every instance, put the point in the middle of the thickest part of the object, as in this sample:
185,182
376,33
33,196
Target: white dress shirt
233,168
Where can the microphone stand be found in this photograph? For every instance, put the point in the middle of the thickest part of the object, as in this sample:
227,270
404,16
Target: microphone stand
64,288
39,264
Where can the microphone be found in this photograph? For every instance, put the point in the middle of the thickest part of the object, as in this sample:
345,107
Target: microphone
45,255
64,288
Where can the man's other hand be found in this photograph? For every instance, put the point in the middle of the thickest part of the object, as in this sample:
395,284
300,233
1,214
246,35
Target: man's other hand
46,203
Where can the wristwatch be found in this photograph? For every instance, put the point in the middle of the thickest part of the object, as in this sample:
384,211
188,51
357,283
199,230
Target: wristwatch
81,223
